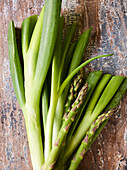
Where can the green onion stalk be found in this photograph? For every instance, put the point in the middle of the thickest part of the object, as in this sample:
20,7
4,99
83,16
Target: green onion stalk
35,36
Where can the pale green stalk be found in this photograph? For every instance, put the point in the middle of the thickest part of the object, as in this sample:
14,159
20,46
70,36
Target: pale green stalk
54,86
45,100
58,115
48,40
30,109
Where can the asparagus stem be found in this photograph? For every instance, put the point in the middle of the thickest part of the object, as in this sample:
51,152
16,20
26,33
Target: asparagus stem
88,137
75,85
92,80
51,160
54,87
87,120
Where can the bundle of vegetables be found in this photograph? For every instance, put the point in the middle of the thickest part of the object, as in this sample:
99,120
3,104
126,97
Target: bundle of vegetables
71,119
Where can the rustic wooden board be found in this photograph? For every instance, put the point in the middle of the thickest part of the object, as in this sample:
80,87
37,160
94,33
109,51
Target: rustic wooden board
109,21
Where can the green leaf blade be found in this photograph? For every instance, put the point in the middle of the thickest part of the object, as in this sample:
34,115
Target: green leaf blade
118,96
48,40
108,93
71,75
26,32
79,49
15,65
30,60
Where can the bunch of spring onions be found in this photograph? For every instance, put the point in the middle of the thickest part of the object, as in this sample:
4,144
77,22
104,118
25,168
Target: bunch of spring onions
64,111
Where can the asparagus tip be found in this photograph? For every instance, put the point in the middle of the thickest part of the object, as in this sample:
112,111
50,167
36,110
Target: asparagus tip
52,165
57,142
67,127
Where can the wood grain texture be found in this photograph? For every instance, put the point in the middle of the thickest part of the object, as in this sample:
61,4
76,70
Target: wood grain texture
109,21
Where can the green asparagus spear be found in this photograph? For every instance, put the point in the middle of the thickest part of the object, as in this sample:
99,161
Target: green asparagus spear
92,80
75,85
51,160
89,135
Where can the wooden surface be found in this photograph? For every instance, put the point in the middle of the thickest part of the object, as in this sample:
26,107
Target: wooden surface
109,21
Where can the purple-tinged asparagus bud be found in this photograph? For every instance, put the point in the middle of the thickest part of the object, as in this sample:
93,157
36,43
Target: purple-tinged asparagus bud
78,102
106,115
67,127
73,118
85,140
110,112
57,142
81,94
65,116
82,153
52,165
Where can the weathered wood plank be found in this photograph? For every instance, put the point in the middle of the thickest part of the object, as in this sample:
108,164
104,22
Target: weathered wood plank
109,151
109,21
